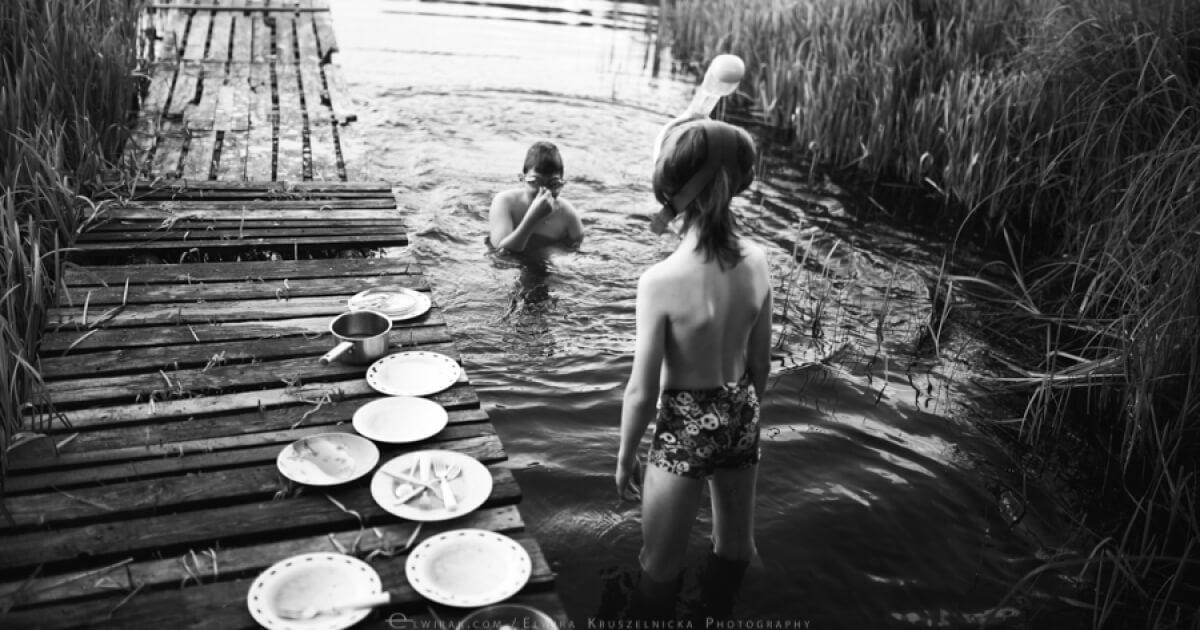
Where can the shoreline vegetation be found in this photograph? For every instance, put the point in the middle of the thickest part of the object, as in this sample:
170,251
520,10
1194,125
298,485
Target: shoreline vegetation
67,89
1063,137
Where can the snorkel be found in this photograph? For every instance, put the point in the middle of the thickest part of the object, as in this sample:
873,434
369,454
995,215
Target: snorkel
721,79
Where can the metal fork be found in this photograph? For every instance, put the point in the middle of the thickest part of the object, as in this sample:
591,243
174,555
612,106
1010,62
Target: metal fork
310,612
445,474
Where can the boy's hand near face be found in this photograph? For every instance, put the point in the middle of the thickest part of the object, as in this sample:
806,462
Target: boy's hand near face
542,205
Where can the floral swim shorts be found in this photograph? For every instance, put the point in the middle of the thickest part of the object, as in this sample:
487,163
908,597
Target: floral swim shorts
701,430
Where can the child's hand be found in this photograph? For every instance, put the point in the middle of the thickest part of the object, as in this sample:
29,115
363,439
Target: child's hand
629,479
542,205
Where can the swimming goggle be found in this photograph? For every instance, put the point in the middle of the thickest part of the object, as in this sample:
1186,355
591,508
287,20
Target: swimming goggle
721,142
555,184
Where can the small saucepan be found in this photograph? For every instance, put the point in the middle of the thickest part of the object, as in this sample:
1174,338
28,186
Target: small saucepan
362,337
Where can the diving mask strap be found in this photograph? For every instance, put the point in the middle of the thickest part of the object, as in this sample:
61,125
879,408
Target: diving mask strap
721,139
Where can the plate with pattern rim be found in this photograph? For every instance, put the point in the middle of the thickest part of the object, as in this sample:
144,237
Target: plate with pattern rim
416,373
312,579
468,568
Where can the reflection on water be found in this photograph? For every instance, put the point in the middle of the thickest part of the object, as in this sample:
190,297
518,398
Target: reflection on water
879,504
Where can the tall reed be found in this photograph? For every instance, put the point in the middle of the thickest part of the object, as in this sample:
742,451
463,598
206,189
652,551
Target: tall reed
1068,133
66,88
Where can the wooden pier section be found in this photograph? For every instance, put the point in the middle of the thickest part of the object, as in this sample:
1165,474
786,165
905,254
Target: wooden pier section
170,387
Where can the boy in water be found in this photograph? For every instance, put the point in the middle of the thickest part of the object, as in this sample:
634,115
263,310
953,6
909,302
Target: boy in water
534,215
702,354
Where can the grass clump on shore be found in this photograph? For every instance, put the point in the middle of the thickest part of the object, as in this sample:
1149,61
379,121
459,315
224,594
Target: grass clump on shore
1065,134
66,89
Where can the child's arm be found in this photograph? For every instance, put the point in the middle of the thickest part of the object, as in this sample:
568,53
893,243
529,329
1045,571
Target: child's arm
642,390
758,351
517,238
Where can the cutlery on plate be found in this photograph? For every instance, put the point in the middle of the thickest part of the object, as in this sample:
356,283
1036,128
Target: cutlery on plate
445,473
310,612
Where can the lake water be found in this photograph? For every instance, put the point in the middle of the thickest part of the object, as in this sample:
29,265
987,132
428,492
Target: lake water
880,503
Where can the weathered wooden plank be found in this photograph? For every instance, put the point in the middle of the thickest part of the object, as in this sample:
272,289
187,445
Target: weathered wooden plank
195,249
218,41
184,92
298,188
113,465
121,209
290,155
243,39
202,115
187,382
240,432
307,47
150,411
260,150
246,5
210,566
326,40
217,298
153,232
171,30
232,164
188,273
197,164
228,214
222,605
237,117
263,41
100,231
197,37
285,38
124,360
168,150
174,533
137,498
338,97
323,153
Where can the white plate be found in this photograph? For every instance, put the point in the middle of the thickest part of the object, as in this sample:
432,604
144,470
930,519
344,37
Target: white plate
397,303
327,459
468,568
398,419
312,579
471,488
413,373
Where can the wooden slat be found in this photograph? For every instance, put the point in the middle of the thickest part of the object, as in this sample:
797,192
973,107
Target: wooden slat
134,413
147,228
151,232
172,32
285,39
173,571
235,432
243,36
143,497
172,533
77,276
326,41
232,165
339,95
197,37
260,150
222,28
431,330
284,7
222,605
290,153
168,150
202,114
182,97
198,162
287,244
200,302
122,209
231,214
320,124
149,187
263,41
306,40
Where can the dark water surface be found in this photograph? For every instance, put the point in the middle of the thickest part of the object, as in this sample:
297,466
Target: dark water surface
880,505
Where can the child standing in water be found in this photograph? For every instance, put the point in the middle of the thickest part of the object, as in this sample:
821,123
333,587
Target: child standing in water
703,353
534,215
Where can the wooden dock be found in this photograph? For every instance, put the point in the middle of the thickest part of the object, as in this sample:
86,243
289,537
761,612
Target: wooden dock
153,499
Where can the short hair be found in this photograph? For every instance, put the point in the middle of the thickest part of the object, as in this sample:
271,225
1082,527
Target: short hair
543,157
685,155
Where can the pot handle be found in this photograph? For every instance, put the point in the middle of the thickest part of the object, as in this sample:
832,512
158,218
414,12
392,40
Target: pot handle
337,351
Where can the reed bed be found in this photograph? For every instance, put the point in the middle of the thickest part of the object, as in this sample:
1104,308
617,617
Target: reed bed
67,85
1066,136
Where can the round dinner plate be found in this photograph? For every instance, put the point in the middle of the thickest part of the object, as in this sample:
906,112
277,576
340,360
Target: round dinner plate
413,373
312,579
399,419
468,568
471,487
398,303
327,459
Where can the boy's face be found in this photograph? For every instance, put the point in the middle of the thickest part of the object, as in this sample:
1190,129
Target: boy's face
538,180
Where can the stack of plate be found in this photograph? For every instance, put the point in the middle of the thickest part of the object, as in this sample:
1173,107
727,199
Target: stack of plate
397,303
